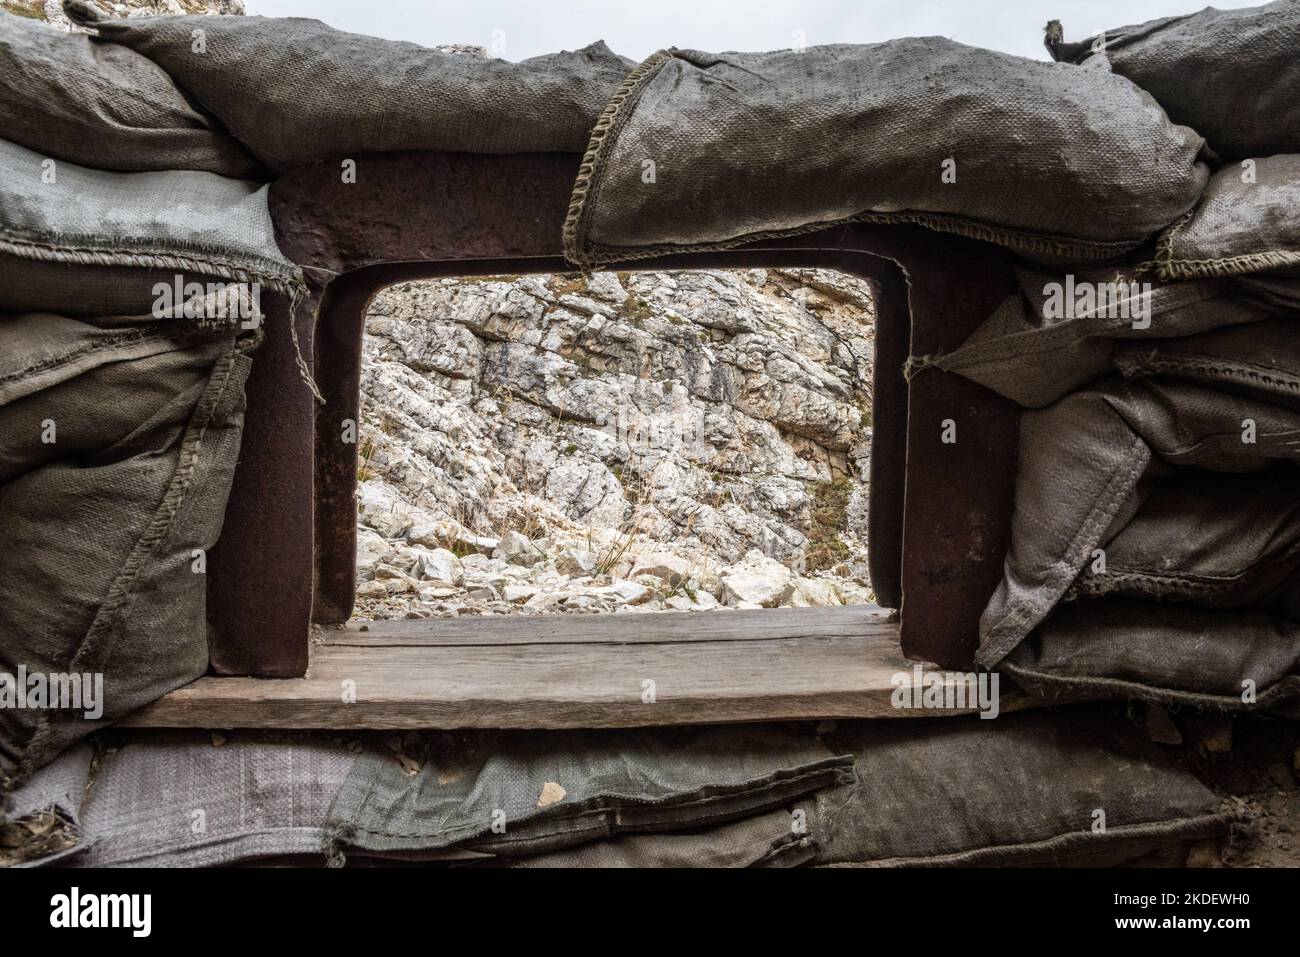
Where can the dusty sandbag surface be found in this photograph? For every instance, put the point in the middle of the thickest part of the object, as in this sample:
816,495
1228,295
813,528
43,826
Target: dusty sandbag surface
750,145
69,97
764,840
516,794
295,91
958,792
1024,789
135,453
1035,354
1214,541
1231,75
1260,360
1226,659
201,799
1247,221
91,242
1077,481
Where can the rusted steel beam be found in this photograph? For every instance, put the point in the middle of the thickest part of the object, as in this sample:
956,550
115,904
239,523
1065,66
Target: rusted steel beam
260,571
937,538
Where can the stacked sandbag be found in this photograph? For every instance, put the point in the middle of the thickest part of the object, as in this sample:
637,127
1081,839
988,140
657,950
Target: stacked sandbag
1231,75
89,242
71,97
707,151
520,794
1053,337
1248,221
1156,533
129,305
295,91
1067,786
118,441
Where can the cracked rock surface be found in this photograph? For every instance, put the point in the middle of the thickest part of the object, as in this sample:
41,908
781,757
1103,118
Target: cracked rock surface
628,442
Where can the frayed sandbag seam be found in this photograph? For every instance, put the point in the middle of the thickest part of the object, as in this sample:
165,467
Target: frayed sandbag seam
600,255
587,185
1124,688
1243,373
1059,845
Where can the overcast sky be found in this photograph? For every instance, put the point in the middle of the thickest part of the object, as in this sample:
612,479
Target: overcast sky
516,29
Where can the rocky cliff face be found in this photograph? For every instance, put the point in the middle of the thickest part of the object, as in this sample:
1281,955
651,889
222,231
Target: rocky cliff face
647,440
52,10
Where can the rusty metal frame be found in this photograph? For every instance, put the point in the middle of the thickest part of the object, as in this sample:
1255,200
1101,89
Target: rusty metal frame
939,513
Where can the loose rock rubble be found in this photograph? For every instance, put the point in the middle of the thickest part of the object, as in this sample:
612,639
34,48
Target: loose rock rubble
624,443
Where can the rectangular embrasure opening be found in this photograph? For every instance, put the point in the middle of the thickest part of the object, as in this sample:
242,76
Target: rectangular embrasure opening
625,443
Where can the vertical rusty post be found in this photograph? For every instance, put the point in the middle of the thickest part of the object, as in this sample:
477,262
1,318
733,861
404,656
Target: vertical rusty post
260,572
958,495
338,373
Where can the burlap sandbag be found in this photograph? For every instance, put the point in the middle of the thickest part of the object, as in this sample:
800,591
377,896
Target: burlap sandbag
87,242
118,447
1081,460
764,840
1231,75
1261,359
1022,790
1247,221
1209,540
1035,356
295,91
1234,659
517,794
701,150
70,97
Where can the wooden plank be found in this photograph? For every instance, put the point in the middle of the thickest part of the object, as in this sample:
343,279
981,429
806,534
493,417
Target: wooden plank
803,666
624,628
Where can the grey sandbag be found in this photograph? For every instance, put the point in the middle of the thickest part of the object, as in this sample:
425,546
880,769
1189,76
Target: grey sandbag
1022,790
69,97
116,458
295,91
1080,463
195,799
88,242
1035,355
1209,540
707,151
518,793
1231,75
1260,360
772,839
1228,659
1247,221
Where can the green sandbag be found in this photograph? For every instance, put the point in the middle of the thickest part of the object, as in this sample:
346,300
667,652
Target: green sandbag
1033,352
1025,789
1227,659
1077,481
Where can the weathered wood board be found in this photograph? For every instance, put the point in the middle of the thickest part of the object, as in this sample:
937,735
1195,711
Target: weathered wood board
571,671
